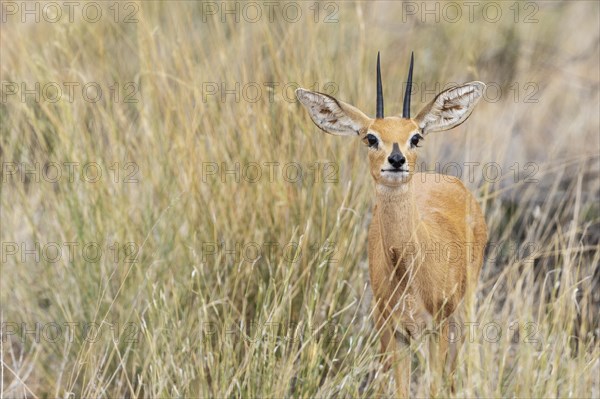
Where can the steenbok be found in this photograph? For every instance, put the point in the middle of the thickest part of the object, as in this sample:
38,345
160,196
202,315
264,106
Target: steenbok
427,235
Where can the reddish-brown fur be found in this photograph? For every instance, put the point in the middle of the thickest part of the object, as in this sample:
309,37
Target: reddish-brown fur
426,244
428,233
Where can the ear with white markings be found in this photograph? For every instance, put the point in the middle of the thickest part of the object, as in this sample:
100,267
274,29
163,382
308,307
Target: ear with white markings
450,108
333,116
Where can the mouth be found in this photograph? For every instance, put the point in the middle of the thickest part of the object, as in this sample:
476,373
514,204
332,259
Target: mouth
394,176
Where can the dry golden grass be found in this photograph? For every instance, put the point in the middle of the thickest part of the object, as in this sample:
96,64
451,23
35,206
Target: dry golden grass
187,320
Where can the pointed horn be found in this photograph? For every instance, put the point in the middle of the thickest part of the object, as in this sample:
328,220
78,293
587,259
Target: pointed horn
379,90
406,109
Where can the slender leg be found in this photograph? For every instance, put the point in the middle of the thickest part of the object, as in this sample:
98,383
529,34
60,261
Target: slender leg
438,352
455,344
398,345
402,360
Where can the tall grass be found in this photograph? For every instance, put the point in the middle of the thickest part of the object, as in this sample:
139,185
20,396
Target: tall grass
211,287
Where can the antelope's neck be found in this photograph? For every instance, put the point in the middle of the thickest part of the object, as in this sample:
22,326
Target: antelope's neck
398,215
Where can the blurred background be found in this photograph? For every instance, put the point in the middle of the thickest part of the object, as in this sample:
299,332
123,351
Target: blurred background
173,224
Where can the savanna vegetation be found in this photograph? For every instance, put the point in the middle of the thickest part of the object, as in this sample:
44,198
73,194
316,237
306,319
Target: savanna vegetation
174,225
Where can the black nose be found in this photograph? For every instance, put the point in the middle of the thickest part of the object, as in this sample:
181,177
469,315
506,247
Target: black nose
396,160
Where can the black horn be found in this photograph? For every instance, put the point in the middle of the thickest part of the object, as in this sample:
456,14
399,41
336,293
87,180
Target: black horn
406,109
379,90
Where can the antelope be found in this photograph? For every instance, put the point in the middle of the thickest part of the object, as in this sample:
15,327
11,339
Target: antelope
414,280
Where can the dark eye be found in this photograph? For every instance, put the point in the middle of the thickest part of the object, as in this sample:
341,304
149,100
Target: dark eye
371,140
414,140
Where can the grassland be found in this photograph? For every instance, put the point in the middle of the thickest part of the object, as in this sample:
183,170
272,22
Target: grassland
173,275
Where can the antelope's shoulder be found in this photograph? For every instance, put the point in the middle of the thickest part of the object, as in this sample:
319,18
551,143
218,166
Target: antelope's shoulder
434,188
443,199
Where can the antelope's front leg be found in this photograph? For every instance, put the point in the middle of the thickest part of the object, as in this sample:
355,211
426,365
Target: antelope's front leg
402,364
397,346
456,341
438,354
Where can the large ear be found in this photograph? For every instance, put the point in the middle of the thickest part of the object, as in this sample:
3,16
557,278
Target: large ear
450,108
333,116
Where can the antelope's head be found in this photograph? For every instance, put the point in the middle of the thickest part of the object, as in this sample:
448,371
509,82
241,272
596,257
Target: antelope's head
393,140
